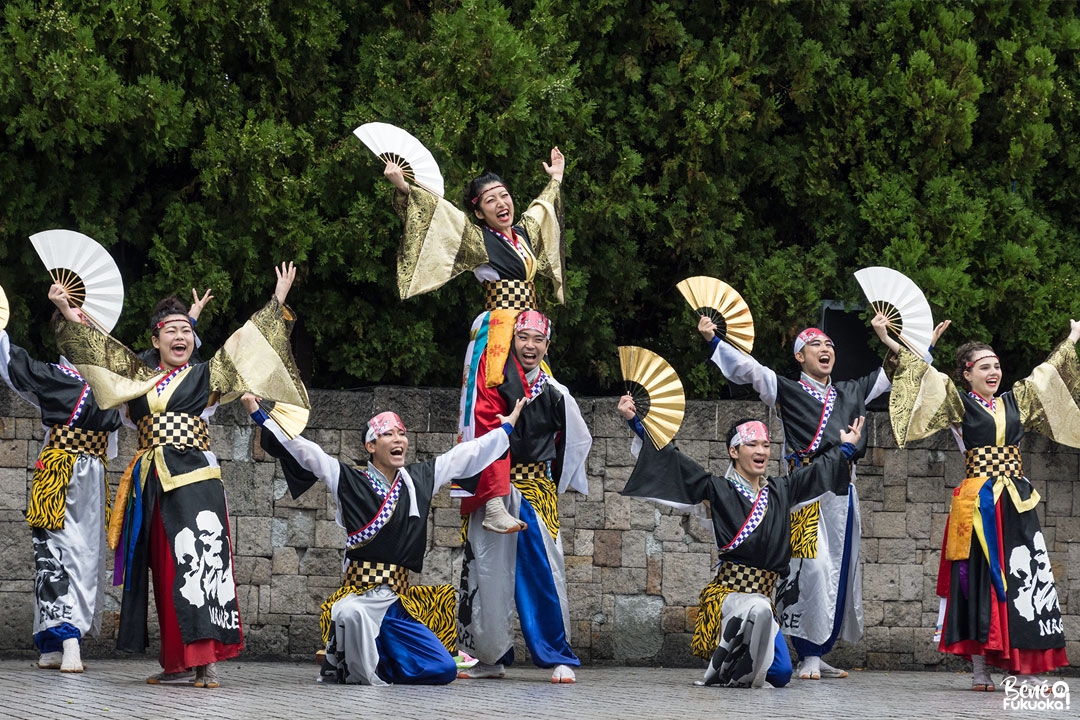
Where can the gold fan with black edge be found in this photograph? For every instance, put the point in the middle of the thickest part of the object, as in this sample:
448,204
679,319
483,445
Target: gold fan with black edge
722,304
657,392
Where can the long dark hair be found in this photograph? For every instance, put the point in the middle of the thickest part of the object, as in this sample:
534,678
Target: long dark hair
964,353
165,307
472,190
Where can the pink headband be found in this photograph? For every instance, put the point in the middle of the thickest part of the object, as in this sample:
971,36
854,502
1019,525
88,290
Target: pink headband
749,432
533,320
971,364
382,423
808,335
486,190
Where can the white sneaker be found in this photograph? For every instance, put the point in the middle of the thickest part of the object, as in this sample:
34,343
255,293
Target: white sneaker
72,660
498,520
563,674
482,671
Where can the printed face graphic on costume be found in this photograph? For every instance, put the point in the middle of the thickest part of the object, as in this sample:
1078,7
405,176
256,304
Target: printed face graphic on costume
50,578
207,577
1036,597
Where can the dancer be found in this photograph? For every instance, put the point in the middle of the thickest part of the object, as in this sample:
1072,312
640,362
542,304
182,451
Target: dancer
549,445
440,242
170,513
822,597
379,629
736,628
68,503
1001,603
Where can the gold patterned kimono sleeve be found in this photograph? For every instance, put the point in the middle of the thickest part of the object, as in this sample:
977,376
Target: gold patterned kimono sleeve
439,242
258,359
543,222
923,400
115,372
1048,398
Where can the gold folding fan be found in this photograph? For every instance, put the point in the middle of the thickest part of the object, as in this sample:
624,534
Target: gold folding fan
292,419
722,304
657,392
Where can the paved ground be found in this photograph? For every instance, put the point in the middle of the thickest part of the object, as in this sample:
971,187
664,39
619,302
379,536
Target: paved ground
268,690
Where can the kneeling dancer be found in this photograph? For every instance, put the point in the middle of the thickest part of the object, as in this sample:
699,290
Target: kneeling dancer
378,629
737,629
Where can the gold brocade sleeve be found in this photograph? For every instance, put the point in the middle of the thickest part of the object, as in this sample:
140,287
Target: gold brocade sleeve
1048,398
439,242
923,400
258,359
543,222
115,372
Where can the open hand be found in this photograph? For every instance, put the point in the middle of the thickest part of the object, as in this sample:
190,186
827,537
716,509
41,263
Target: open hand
854,431
557,166
286,274
199,303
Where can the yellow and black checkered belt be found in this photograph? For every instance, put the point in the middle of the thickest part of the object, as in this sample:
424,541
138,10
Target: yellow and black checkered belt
746,578
804,461
365,572
509,295
78,440
175,429
992,461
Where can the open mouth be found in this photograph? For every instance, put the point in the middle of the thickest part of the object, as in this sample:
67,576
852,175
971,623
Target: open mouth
178,349
503,215
397,452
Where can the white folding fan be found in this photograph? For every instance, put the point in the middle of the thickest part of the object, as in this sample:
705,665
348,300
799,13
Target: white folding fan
87,272
894,295
5,309
657,392
394,145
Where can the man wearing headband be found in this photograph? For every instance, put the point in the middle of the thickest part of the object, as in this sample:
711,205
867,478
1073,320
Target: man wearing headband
823,600
547,454
750,520
378,629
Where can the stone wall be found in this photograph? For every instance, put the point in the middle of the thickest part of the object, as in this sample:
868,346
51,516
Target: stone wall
634,569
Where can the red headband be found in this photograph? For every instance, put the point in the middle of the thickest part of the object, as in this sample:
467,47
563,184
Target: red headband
485,192
969,365
809,335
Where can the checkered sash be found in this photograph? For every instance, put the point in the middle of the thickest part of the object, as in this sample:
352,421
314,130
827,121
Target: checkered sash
78,440
827,401
746,578
994,461
362,573
509,295
757,513
173,429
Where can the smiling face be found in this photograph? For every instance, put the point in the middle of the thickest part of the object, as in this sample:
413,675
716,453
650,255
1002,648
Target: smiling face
984,375
496,207
388,451
817,357
530,347
750,459
175,341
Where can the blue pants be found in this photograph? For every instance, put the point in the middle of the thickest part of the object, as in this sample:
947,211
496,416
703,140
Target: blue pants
409,653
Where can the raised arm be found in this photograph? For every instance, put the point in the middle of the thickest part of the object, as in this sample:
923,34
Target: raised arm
297,454
1049,398
470,458
737,366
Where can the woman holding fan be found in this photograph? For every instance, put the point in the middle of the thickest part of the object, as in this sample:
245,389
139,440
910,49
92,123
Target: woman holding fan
440,242
1001,604
170,515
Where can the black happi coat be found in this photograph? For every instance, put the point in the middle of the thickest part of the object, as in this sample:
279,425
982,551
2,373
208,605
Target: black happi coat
669,477
403,539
